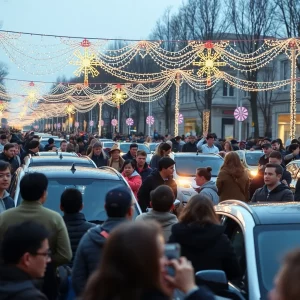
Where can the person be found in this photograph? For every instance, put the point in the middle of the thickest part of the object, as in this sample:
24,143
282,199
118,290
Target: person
176,146
293,153
25,254
33,190
98,155
209,147
141,166
267,148
277,146
190,146
276,158
70,148
273,190
6,202
207,187
17,153
131,154
119,209
202,238
233,179
8,155
3,141
63,146
115,161
50,144
132,177
32,149
162,203
164,175
286,283
162,150
227,147
71,204
134,267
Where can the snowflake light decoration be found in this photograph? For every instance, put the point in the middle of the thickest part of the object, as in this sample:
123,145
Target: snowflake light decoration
70,109
86,62
208,62
118,96
32,93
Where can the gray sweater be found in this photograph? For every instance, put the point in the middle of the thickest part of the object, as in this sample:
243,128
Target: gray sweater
210,190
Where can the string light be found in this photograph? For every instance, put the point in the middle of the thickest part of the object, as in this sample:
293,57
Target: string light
205,117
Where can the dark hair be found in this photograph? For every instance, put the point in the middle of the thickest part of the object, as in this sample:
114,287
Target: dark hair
165,163
141,153
278,168
163,147
70,148
33,144
4,165
63,141
293,147
274,142
295,141
275,154
71,201
20,239
50,141
8,146
129,265
210,136
162,198
199,210
205,172
132,162
133,145
33,186
3,137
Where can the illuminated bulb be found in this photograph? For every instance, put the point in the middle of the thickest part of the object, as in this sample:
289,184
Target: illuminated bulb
209,63
86,62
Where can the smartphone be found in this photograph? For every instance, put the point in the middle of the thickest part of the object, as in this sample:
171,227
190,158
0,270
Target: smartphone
172,251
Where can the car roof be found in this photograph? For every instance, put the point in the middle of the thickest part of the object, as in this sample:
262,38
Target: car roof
56,158
196,154
264,213
80,172
57,154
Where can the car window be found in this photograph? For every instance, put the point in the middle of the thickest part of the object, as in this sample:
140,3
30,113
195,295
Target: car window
61,163
252,158
187,165
125,148
93,193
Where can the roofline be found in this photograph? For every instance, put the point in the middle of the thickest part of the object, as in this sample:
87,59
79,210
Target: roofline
111,169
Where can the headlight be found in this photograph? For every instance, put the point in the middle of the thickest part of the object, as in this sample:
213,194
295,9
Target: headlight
253,173
184,183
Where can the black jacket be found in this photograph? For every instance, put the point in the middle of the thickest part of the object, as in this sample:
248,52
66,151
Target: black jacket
77,226
297,191
15,284
89,253
100,161
189,147
145,172
14,164
8,201
281,193
286,175
26,153
151,183
207,247
127,156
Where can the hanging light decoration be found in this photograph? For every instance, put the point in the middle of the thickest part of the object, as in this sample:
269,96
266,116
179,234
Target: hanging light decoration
118,96
70,109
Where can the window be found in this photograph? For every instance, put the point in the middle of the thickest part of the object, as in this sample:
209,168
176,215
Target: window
284,72
228,90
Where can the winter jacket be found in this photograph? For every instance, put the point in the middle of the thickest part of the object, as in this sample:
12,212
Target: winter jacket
14,163
281,193
189,147
120,163
207,247
154,161
15,284
134,181
210,190
127,156
165,219
176,147
230,187
7,201
145,172
151,183
297,191
77,226
89,252
290,157
100,161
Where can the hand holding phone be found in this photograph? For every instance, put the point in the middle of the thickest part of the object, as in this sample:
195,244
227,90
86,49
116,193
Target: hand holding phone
172,251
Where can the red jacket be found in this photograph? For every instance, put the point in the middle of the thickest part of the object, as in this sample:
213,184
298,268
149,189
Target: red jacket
134,181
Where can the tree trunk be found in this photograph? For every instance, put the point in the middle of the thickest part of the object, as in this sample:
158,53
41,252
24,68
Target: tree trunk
253,103
208,104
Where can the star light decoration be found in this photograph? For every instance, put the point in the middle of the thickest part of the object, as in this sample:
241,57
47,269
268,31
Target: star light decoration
208,62
118,96
32,93
86,62
70,109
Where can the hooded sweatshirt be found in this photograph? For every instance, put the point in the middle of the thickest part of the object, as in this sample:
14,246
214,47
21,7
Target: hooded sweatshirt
165,219
89,252
210,190
207,247
281,193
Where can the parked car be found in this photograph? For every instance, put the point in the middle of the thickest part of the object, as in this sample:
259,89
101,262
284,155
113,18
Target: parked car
56,153
44,141
126,146
293,167
261,235
250,160
92,183
152,146
184,174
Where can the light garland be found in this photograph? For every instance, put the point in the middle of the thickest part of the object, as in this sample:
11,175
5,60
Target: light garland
205,119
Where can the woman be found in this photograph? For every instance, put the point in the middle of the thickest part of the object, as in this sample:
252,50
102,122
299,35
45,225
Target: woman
133,267
227,147
115,161
91,144
233,179
132,177
163,149
98,156
202,238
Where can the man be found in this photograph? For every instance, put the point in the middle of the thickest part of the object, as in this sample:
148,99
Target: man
164,175
6,202
273,190
8,155
3,141
162,202
142,167
276,158
119,208
294,153
267,148
276,147
32,149
190,146
33,190
176,146
71,204
209,147
63,146
50,144
25,253
131,154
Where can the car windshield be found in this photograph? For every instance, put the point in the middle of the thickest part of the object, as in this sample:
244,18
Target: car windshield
108,144
125,148
252,158
82,163
56,143
93,193
187,165
153,147
270,252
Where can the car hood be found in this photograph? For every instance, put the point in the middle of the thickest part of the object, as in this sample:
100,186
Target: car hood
187,182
